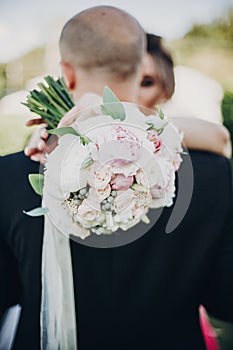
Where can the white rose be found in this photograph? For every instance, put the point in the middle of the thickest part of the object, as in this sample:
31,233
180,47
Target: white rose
96,196
99,176
87,212
139,212
124,201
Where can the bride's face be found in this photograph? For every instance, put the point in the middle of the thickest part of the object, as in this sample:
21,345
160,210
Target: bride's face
150,92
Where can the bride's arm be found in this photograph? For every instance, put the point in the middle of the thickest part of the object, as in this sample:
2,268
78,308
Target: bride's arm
203,135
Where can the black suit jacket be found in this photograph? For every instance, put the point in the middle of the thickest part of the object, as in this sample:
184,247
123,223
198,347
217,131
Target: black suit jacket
144,295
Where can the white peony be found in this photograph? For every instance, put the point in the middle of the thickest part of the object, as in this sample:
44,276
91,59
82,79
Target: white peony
73,176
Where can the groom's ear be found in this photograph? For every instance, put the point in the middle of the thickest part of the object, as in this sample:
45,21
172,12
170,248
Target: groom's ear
69,75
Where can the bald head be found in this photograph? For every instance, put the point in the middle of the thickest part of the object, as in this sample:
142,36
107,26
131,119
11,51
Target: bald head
103,37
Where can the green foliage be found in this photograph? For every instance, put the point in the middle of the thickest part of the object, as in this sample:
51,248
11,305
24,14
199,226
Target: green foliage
37,182
52,102
69,130
64,131
227,112
112,106
220,29
160,112
36,212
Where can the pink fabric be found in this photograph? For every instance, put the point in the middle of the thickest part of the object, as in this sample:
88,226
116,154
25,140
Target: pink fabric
208,331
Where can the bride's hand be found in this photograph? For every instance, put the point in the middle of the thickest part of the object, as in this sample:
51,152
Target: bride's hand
38,145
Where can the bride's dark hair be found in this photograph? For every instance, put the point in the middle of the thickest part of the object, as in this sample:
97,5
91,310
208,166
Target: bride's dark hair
164,63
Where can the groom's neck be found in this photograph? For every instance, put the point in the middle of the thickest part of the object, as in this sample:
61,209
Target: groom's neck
126,90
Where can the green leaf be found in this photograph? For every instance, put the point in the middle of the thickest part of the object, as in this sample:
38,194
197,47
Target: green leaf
87,163
36,212
53,86
152,127
84,140
52,98
139,188
112,105
145,219
64,131
114,110
69,130
37,182
51,102
160,112
109,96
158,130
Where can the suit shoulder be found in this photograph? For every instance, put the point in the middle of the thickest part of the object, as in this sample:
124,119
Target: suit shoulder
213,175
211,161
17,164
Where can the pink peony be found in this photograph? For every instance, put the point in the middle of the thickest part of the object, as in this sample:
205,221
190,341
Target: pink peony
120,147
152,136
121,182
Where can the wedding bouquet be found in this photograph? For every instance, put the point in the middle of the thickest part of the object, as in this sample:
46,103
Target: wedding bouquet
109,169
51,101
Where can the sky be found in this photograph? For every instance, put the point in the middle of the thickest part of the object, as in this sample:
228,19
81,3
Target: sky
26,24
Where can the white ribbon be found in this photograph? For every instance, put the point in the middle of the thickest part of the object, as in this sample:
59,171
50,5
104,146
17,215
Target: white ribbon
58,321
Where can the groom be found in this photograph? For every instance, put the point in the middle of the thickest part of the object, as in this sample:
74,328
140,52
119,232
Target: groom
146,294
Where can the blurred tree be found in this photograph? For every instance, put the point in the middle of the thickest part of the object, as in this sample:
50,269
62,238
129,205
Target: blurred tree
221,29
227,111
2,80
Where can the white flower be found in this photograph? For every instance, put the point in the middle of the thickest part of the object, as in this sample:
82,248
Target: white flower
79,231
123,218
129,169
121,182
96,196
73,177
99,175
118,146
139,212
134,166
141,178
87,212
129,224
124,201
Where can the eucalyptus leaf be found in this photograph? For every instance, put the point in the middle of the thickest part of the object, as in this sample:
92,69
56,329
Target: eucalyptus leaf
145,219
112,105
84,140
109,96
64,131
36,212
87,163
152,127
160,112
114,110
37,182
